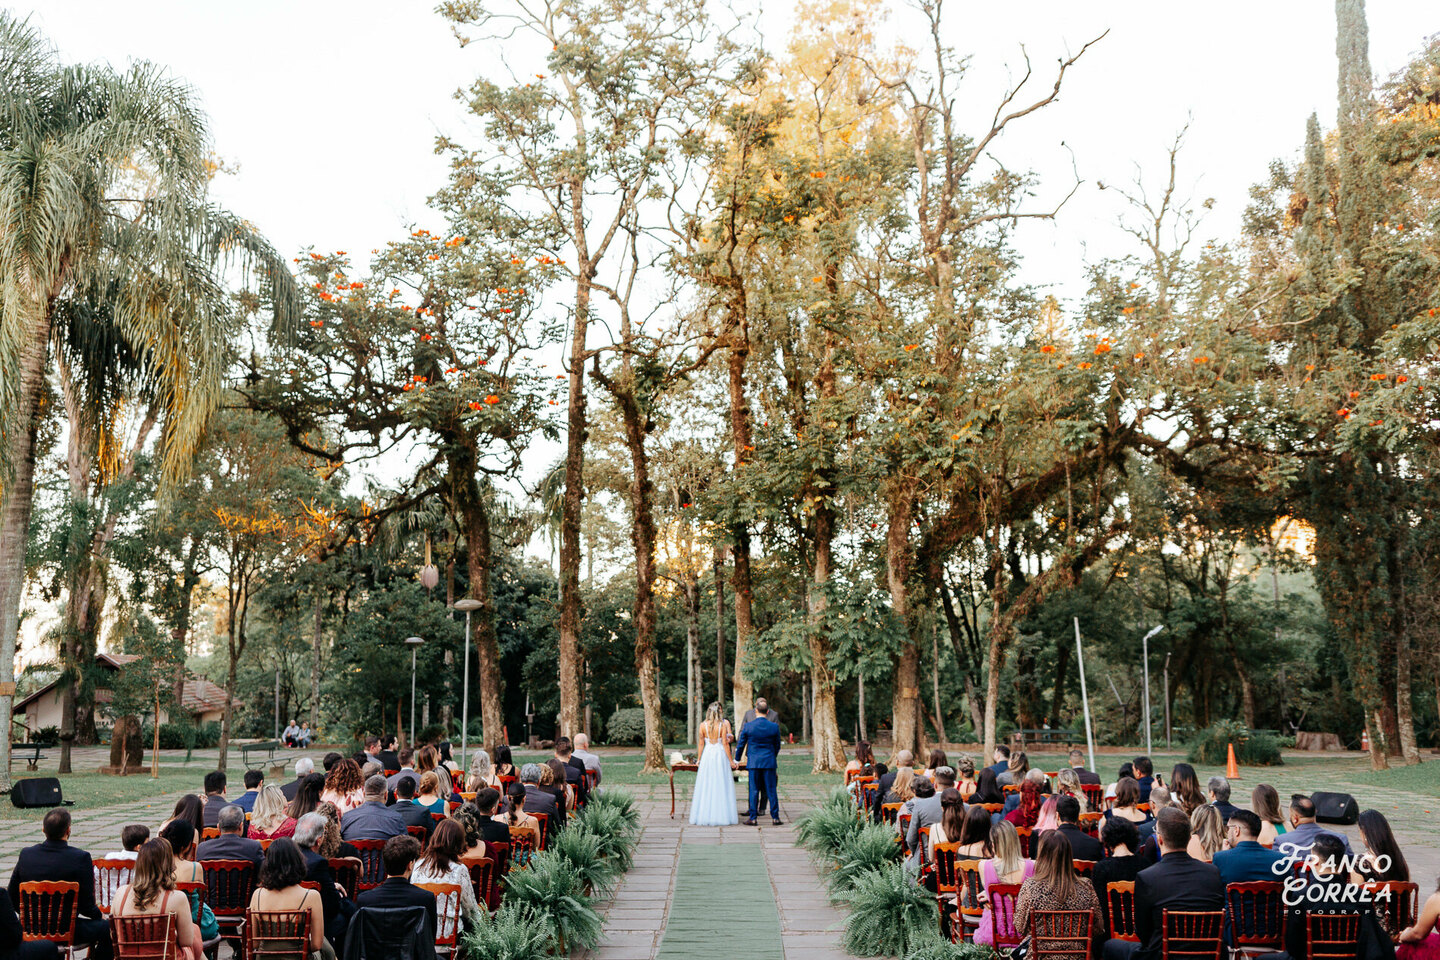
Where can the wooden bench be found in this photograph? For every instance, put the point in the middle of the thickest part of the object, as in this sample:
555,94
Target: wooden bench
1068,737
267,747
30,753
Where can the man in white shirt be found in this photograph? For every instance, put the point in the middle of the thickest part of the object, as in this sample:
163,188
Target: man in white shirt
291,735
583,754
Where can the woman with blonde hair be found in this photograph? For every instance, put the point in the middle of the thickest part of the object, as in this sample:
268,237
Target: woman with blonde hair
344,786
1207,833
903,787
712,804
1014,775
481,774
1006,865
150,893
331,845
1068,781
269,821
965,778
429,796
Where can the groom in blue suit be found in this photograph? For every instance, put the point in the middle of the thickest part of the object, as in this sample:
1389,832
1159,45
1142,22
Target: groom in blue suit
762,736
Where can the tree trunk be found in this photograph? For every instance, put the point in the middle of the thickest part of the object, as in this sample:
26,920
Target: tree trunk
993,662
316,659
1062,667
905,699
574,493
742,693
720,626
694,686
17,494
238,603
860,705
1404,705
935,682
826,745
479,559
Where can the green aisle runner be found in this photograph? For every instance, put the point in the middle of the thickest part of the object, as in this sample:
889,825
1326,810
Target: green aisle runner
723,906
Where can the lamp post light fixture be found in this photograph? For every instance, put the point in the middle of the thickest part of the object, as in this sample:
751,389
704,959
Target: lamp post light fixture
414,644
468,606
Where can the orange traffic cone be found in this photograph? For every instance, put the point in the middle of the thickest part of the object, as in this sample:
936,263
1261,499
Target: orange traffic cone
1232,769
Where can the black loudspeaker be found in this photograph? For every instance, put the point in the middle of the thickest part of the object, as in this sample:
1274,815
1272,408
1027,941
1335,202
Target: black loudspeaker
1335,808
38,792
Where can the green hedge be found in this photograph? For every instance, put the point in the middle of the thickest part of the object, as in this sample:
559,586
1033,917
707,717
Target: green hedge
176,736
626,725
1251,749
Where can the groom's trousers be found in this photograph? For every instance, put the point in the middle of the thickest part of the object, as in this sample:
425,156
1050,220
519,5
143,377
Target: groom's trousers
766,778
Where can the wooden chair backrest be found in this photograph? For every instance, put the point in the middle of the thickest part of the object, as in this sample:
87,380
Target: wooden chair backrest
890,812
482,876
347,874
1084,867
372,864
1120,904
1061,934
149,937
1395,903
447,912
48,910
968,883
111,875
1331,936
1256,912
229,884
1192,933
943,856
1024,834
1002,914
277,934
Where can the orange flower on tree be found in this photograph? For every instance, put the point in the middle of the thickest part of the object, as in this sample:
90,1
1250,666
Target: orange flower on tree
1102,347
1201,360
1085,365
911,346
492,398
1354,394
1379,376
1128,310
1343,412
474,404
1402,379
1048,348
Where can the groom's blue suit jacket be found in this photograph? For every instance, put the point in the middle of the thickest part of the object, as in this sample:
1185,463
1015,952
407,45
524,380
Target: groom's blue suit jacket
762,737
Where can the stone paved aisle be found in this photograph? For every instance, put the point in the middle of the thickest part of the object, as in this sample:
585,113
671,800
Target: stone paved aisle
635,917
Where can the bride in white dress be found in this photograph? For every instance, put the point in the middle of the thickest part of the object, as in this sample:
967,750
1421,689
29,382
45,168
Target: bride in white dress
713,804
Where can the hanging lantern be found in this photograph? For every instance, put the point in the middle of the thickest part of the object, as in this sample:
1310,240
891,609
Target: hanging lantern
429,575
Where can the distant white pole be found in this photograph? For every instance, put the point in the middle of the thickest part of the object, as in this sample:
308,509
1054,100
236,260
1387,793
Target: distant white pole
1084,696
1145,644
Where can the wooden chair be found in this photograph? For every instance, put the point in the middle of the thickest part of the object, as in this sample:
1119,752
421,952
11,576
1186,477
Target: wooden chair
1143,807
499,853
993,808
1256,914
1009,788
48,910
229,884
265,844
1090,823
1331,936
447,915
869,791
1084,867
942,859
968,882
197,887
1189,933
467,796
1002,915
390,773
418,832
209,833
1060,934
505,785
1024,834
437,817
1395,903
890,812
372,864
522,847
143,938
277,935
1120,904
347,874
544,819
482,875
1094,795
902,827
923,847
111,875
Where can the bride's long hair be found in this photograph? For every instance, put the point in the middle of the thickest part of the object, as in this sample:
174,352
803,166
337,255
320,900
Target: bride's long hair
713,715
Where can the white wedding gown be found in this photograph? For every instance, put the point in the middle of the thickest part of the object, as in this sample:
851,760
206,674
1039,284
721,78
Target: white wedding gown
713,804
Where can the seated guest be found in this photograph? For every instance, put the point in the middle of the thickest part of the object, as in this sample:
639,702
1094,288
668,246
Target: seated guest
1067,782
1144,776
1265,802
1048,818
583,754
1000,760
1126,807
303,768
481,774
902,786
1085,847
278,890
412,814
1119,864
191,808
327,763
1381,849
974,836
181,837
952,818
552,778
1219,790
1015,775
232,844
306,736
389,757
290,736
372,820
1127,769
926,809
986,789
441,864
428,796
132,835
1159,797
254,780
427,758
1303,829
55,859
470,820
332,845
1027,810
307,798
400,855
1185,788
12,937
1077,763
904,760
1054,885
504,767
344,786
537,799
937,760
1327,890
1034,777
1006,865
214,796
270,821
574,769
151,892
447,762
372,750
517,821
487,805
1422,940
965,778
1207,833
371,768
864,757
1177,882
1246,861
309,838
406,771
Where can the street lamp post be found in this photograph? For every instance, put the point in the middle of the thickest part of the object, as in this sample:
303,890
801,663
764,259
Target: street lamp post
468,606
414,644
1145,654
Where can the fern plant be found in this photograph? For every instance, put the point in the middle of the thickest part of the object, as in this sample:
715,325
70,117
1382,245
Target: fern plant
583,851
889,913
555,893
823,831
869,848
936,947
515,933
610,826
620,801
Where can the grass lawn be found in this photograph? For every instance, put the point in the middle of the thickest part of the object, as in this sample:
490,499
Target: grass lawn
94,791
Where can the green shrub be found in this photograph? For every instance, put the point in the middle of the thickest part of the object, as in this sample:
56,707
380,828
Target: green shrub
1251,749
586,853
515,933
622,802
46,735
555,893
183,736
434,733
889,913
626,725
937,948
825,829
872,847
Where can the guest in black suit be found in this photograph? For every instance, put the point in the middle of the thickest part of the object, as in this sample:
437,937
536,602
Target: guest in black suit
214,796
574,769
400,855
303,768
309,832
487,804
1120,839
1177,882
56,860
12,937
231,844
1077,763
410,812
1082,845
1325,892
388,755
1219,789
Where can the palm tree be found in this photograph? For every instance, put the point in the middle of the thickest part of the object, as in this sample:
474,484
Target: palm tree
103,204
